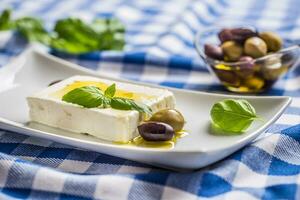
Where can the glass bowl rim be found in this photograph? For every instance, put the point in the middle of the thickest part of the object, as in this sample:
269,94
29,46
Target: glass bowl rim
214,28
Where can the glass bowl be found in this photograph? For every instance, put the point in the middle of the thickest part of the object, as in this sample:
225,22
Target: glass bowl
247,77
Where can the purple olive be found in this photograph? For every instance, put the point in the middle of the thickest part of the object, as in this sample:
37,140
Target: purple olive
156,131
236,34
54,82
246,68
214,52
225,35
242,34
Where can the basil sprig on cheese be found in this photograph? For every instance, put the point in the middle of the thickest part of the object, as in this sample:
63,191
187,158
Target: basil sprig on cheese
92,97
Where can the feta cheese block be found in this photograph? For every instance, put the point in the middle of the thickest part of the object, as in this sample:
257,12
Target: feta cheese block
46,107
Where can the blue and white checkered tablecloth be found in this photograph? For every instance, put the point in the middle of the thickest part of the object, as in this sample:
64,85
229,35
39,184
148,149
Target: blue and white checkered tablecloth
159,50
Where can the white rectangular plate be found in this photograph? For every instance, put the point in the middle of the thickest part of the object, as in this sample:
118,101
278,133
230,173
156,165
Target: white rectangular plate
33,70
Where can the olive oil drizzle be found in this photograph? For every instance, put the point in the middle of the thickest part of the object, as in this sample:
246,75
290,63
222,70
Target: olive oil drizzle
140,142
119,93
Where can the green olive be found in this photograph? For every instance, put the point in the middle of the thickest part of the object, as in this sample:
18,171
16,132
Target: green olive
273,68
232,50
273,41
169,116
255,47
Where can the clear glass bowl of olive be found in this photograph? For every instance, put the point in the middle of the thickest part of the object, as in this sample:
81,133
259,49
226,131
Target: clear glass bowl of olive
244,59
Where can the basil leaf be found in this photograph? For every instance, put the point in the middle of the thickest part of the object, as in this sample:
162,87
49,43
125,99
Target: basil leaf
110,91
91,97
104,34
128,104
71,35
64,45
143,108
74,31
106,102
5,20
233,115
32,29
120,103
87,96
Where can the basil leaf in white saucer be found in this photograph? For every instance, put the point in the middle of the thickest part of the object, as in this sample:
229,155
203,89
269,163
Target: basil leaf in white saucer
233,116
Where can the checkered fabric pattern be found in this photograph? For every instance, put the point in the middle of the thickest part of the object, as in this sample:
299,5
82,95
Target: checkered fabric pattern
159,50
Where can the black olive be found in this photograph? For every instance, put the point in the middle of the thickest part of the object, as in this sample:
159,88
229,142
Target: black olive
214,52
236,34
156,131
225,35
54,82
242,34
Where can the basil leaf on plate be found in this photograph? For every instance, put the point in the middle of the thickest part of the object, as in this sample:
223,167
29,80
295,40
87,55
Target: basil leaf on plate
87,96
128,104
110,91
233,116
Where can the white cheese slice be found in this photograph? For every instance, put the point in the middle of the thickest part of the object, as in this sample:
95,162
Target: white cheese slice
46,107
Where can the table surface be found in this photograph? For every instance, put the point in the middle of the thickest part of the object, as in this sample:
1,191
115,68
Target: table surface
159,36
